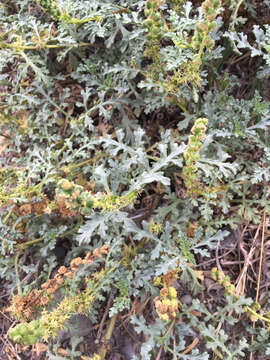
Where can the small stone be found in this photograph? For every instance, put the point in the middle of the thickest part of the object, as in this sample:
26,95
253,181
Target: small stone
186,299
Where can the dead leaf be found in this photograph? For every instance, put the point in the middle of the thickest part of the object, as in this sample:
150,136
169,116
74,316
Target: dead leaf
62,352
4,143
191,346
199,274
39,348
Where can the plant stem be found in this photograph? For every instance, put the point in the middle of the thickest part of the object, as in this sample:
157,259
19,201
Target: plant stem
44,46
25,245
17,274
108,335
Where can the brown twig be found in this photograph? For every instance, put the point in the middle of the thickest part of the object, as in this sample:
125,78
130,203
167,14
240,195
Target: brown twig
5,316
160,352
259,272
167,334
191,346
241,280
10,346
261,257
108,335
103,320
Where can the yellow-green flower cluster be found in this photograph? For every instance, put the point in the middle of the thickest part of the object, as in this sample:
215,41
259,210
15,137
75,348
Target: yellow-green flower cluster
167,303
54,321
75,198
110,202
154,22
95,357
155,228
192,155
201,38
223,280
27,333
51,8
50,323
209,9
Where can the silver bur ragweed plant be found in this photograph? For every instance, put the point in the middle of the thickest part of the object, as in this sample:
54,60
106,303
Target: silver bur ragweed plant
134,157
192,155
51,322
74,197
167,303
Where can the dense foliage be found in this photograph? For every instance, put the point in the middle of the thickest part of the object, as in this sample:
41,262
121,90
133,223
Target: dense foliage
130,152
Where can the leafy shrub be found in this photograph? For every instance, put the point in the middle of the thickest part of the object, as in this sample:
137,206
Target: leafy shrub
125,140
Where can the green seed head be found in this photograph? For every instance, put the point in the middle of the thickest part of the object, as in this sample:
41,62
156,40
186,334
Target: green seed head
65,185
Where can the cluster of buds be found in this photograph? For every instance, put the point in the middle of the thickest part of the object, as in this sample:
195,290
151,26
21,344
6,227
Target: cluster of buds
166,279
35,207
167,303
51,8
27,333
201,37
209,9
94,357
155,228
72,198
223,280
68,272
154,22
192,155
27,307
230,289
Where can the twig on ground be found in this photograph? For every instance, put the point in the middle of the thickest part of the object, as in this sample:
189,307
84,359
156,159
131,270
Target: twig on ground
259,272
99,333
7,343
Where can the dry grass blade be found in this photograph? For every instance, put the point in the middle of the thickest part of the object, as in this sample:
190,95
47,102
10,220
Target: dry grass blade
241,280
259,271
9,346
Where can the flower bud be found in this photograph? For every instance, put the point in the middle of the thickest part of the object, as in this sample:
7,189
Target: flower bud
172,292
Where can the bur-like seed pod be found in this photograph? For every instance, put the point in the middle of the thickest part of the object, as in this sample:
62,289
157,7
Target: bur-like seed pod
164,292
256,306
226,283
149,5
230,289
157,17
62,270
165,317
172,292
76,262
253,317
148,23
159,22
162,308
27,333
201,27
211,26
211,16
105,249
147,13
65,185
209,43
216,4
154,5
156,30
174,304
